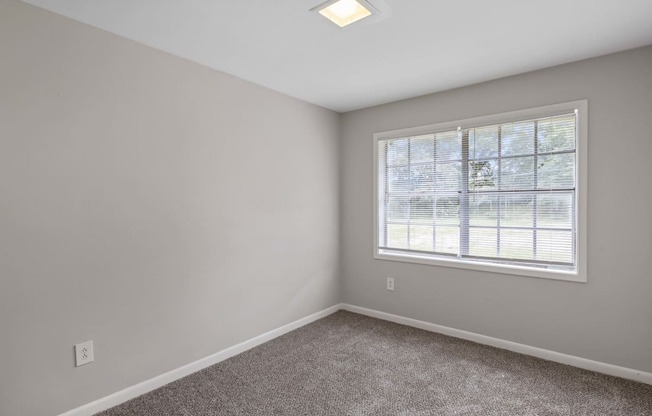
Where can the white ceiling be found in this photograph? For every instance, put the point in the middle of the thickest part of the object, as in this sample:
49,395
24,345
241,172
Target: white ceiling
413,47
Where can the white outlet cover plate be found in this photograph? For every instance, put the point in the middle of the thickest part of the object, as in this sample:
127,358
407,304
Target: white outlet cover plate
84,353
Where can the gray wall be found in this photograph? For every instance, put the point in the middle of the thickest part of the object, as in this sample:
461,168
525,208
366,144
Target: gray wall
162,209
607,319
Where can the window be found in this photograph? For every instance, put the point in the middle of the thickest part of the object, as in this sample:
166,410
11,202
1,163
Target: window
503,193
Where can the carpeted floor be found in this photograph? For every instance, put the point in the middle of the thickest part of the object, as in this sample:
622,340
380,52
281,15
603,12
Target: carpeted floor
349,364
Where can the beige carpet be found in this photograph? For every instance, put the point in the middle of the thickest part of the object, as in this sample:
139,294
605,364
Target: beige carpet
349,364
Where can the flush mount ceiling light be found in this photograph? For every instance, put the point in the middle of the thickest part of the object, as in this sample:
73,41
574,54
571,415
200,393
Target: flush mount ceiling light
345,12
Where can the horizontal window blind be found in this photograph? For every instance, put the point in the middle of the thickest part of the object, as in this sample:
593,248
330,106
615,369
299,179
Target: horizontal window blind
502,193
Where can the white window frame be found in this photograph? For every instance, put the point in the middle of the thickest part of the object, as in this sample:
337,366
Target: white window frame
580,273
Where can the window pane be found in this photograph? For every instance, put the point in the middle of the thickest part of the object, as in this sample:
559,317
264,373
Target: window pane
398,179
555,246
421,238
398,209
483,242
397,236
421,178
483,142
556,134
421,208
448,146
421,149
447,240
517,138
447,176
556,171
447,210
555,210
516,244
517,173
483,175
517,210
397,152
483,210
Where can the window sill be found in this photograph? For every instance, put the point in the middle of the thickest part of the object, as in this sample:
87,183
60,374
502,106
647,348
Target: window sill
481,266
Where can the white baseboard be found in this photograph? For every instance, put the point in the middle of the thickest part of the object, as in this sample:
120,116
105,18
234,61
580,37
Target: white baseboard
597,366
163,379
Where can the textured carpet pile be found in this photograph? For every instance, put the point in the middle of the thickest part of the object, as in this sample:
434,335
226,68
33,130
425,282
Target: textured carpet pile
349,364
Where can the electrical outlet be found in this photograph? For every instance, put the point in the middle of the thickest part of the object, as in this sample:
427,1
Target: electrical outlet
84,353
390,283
